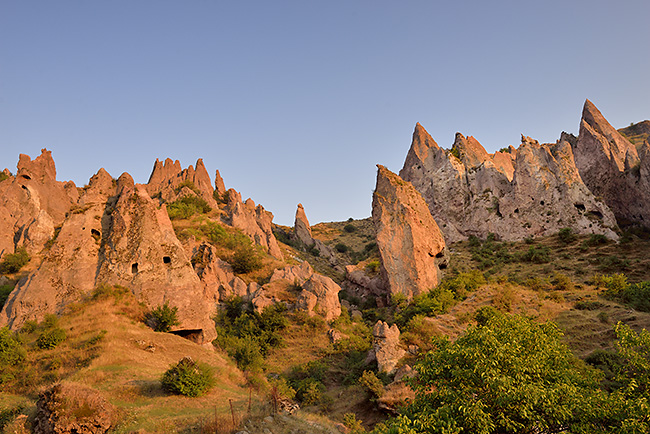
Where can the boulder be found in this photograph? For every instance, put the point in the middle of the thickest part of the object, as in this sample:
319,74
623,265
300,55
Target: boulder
320,295
409,240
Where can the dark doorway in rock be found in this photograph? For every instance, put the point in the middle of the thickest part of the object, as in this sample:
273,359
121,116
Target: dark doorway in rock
167,260
134,268
193,335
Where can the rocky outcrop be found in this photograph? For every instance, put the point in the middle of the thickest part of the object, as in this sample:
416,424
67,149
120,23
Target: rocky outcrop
32,204
320,296
303,289
72,408
122,240
531,191
613,168
168,180
253,221
410,243
302,233
385,347
301,227
218,280
141,252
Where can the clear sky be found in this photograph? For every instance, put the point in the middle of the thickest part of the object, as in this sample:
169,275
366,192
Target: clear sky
297,101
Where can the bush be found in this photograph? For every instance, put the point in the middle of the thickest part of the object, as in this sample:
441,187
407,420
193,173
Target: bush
588,305
372,384
636,296
372,266
463,283
50,338
246,259
163,318
188,378
5,290
11,351
341,248
13,262
349,228
186,207
538,255
566,235
562,282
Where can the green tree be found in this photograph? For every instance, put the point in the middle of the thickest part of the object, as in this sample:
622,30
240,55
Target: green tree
510,375
163,318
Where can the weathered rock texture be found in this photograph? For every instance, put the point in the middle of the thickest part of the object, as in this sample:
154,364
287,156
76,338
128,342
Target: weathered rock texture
385,347
253,221
71,408
613,168
32,204
171,182
410,243
302,233
534,190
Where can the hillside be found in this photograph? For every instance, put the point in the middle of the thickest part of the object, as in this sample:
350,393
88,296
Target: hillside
178,307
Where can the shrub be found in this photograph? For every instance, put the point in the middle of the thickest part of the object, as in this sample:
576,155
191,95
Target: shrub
187,378
3,176
372,266
536,254
372,384
349,228
341,248
463,283
354,425
566,235
588,305
186,207
50,338
13,262
11,351
636,296
562,282
163,318
246,259
5,290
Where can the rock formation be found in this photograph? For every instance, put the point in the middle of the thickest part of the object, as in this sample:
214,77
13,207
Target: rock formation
302,233
385,347
253,221
32,204
613,168
168,180
410,244
534,190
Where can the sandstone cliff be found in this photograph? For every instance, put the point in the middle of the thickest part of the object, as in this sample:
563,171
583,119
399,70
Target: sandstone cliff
410,244
534,190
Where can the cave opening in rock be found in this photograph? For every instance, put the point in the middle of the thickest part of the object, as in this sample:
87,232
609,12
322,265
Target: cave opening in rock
134,268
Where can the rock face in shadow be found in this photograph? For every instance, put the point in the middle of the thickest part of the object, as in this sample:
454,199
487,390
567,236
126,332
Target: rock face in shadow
613,168
410,243
531,191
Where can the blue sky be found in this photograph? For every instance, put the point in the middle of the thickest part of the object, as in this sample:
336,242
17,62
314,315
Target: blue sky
297,101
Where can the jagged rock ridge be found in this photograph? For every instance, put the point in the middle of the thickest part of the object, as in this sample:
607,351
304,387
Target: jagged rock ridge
534,190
